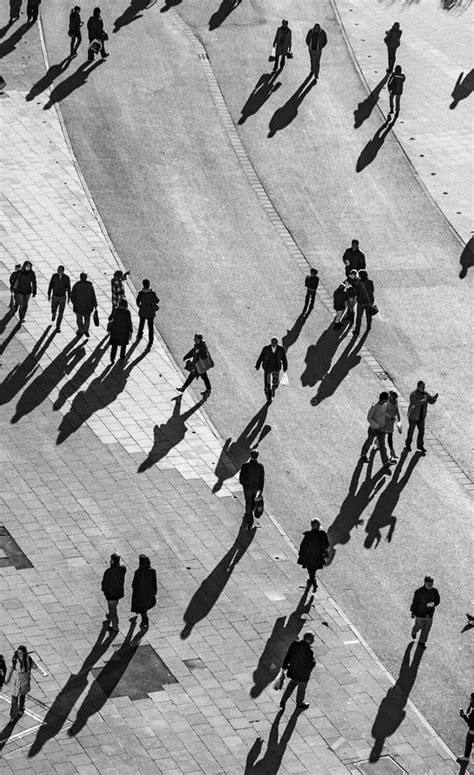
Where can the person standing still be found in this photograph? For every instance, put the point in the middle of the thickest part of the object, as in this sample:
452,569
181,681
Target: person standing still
353,257
96,31
299,663
19,674
201,361
148,306
75,24
392,41
282,44
395,89
311,284
316,40
120,329
252,479
365,301
24,287
84,302
59,290
468,717
144,590
417,409
392,416
272,358
376,430
313,552
112,587
425,600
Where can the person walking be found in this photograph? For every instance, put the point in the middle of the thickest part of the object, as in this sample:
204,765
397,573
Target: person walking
353,257
148,306
144,590
200,363
19,675
468,717
424,602
112,587
272,358
252,479
32,10
340,303
352,293
299,663
96,32
376,431
75,24
24,287
13,305
417,409
117,288
395,89
84,302
392,41
120,329
314,550
282,45
316,40
3,670
59,289
392,416
311,284
365,301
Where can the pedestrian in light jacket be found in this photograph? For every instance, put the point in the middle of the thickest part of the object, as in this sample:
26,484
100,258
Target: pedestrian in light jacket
148,305
299,663
24,287
84,302
144,590
365,301
417,409
252,479
19,678
392,416
120,328
199,362
272,359
376,431
425,600
112,587
313,552
468,717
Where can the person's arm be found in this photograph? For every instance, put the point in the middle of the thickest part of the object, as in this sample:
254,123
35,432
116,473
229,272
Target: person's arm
68,289
414,604
94,298
390,82
284,359
33,282
437,599
432,399
9,674
261,482
324,39
50,287
155,586
260,359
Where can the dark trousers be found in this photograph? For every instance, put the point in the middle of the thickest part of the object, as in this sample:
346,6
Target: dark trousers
315,59
468,744
195,375
17,706
141,326
300,687
90,54
112,615
380,436
412,424
282,58
83,322
395,97
58,304
76,40
390,443
392,53
21,301
249,496
271,380
309,300
312,577
361,308
113,351
32,9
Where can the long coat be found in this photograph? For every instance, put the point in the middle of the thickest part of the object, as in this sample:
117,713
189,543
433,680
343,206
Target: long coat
121,326
144,590
19,679
313,548
299,661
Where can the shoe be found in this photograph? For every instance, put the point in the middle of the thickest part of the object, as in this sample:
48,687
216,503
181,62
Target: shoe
421,450
53,317
337,326
87,335
364,459
180,390
282,705
393,456
408,447
78,333
303,706
315,586
355,332
58,330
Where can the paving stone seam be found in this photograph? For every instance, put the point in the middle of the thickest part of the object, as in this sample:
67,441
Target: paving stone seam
285,234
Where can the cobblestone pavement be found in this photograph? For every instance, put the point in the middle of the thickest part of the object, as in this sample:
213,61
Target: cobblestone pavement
98,459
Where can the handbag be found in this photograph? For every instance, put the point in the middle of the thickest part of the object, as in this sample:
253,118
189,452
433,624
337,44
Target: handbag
279,681
271,58
373,309
258,506
110,323
95,318
95,46
203,364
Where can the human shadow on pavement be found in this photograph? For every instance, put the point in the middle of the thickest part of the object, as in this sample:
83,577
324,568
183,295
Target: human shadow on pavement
354,504
131,14
5,320
365,108
9,338
10,43
82,374
101,392
463,88
285,630
369,153
75,81
288,112
319,356
234,453
22,372
6,733
271,761
263,90
293,333
4,30
64,702
391,712
467,258
347,360
469,624
108,679
169,434
169,4
225,9
39,389
205,598
45,82
382,515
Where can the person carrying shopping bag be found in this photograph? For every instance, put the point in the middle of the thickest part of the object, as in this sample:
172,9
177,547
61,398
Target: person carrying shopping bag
200,362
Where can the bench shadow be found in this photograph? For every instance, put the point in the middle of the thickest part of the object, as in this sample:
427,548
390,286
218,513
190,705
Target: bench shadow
235,453
169,434
365,108
262,91
284,116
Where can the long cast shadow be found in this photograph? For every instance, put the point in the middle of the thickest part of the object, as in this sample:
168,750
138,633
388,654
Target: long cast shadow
45,82
365,108
293,333
467,258
271,761
319,356
348,359
10,43
392,708
225,9
263,89
169,434
9,338
131,14
75,81
82,374
205,598
383,514
463,88
5,320
284,632
64,702
169,4
22,372
6,733
288,112
234,453
369,153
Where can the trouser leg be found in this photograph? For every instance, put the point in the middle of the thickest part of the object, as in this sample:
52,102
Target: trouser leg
14,707
21,703
391,96
23,299
188,381
468,745
360,311
289,690
113,616
300,692
151,331
421,433
411,428
141,326
206,381
249,496
425,629
382,447
123,350
113,351
397,103
87,322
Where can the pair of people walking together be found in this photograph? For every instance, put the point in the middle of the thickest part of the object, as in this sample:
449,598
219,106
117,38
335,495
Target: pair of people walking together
144,589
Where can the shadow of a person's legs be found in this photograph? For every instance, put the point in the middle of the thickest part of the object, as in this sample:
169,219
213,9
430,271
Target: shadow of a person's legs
75,81
264,88
467,258
365,108
235,453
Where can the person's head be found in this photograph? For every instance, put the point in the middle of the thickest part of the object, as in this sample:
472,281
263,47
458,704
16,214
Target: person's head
397,70
143,561
393,397
114,559
60,269
118,274
353,274
17,267
198,338
316,27
314,272
21,654
83,277
146,284
253,454
96,12
383,397
123,303
284,22
308,637
315,524
274,341
355,244
363,274
77,9
396,25
27,265
428,582
420,385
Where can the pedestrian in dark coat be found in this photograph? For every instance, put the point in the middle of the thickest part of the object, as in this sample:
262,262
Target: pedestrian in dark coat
468,717
148,305
395,88
353,257
96,31
272,358
365,301
316,40
112,587
144,589
84,302
24,287
314,549
311,284
13,305
59,291
425,600
340,303
299,663
282,44
200,362
75,24
32,10
120,327
3,670
392,41
417,409
252,479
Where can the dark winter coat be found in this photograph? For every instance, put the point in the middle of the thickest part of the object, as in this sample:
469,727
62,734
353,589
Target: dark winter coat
272,361
418,406
198,352
282,41
59,285
95,28
423,596
121,326
340,297
365,293
316,39
147,303
112,582
25,282
392,38
75,23
144,590
313,549
299,661
83,297
353,259
395,83
311,282
252,475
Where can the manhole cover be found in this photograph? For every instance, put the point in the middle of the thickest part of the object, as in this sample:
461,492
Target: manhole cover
133,672
383,766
